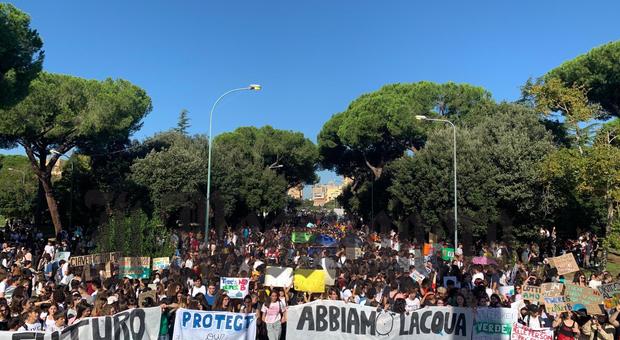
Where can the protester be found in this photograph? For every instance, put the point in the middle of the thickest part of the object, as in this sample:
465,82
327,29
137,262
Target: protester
391,272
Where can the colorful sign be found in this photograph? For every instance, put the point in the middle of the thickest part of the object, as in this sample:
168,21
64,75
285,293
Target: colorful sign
611,294
135,267
447,254
235,287
301,237
309,280
161,263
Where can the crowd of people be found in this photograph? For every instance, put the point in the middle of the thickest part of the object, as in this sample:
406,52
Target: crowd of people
38,292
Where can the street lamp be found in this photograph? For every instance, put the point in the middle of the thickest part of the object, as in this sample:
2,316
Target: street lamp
420,117
72,181
252,87
22,172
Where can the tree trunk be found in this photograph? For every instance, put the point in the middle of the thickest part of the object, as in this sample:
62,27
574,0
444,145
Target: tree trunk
51,202
610,218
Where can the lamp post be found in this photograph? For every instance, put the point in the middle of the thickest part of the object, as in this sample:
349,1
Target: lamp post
22,172
72,181
420,117
252,87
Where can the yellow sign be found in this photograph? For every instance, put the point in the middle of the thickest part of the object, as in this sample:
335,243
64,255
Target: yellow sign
309,280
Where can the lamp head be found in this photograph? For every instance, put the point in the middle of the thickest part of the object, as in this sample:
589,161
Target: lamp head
255,87
420,117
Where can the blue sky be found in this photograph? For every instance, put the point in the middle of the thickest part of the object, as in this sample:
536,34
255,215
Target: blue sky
312,57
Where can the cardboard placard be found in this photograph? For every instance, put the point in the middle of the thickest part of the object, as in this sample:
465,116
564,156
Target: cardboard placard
78,261
555,304
551,289
278,276
590,298
353,253
309,280
531,293
432,238
565,264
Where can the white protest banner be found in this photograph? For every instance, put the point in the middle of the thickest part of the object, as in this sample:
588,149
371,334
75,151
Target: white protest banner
278,276
521,332
194,324
236,287
494,323
161,263
133,324
344,321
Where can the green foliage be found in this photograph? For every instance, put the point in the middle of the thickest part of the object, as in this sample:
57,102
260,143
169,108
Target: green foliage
379,127
613,238
183,123
21,54
599,71
498,178
254,167
551,95
17,199
62,112
173,174
135,234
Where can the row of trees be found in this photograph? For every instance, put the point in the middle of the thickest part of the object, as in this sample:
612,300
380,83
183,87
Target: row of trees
49,115
549,159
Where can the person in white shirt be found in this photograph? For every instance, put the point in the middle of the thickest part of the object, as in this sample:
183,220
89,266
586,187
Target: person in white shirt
32,322
60,321
477,275
198,287
50,249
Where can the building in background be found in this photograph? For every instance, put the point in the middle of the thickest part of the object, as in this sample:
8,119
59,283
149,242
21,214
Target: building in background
325,193
296,192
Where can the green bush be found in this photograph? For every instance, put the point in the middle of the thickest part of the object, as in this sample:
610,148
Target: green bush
612,241
135,234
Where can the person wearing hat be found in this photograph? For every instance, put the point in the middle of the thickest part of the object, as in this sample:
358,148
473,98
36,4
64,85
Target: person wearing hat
532,317
601,327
